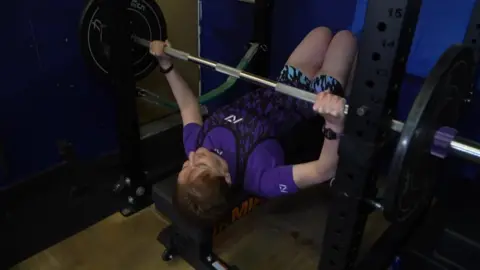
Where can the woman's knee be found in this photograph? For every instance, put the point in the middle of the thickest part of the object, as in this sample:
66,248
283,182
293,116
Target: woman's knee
345,37
320,34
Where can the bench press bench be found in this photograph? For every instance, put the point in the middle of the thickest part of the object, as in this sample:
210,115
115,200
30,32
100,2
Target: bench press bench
195,245
191,243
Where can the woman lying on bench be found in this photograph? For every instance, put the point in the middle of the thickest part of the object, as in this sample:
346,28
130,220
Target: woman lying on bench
237,146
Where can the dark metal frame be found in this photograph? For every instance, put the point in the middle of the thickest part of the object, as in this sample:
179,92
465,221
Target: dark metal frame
124,90
472,36
263,12
383,53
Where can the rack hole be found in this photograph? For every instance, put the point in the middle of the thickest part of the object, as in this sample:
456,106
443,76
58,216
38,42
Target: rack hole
375,99
370,83
381,26
376,56
359,133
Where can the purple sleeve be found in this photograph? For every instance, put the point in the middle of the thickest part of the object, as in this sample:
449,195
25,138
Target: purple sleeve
266,175
277,182
190,134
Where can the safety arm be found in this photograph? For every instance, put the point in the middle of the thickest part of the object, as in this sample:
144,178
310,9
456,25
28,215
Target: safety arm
186,100
318,171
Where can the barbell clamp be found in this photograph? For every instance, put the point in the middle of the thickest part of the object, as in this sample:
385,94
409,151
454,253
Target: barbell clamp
442,140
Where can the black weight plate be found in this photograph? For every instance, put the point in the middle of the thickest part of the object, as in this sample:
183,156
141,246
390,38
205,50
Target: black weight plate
146,21
413,169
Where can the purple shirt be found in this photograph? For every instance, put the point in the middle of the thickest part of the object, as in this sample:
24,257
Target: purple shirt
266,174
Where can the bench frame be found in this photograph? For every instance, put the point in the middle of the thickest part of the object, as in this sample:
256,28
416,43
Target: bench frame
195,245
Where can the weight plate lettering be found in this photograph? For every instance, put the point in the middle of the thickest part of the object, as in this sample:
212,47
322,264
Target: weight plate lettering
146,21
413,169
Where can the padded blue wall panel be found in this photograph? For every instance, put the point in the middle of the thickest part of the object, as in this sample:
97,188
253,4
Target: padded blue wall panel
293,20
226,29
227,26
49,95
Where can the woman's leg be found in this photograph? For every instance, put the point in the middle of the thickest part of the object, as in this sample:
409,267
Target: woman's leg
340,58
310,53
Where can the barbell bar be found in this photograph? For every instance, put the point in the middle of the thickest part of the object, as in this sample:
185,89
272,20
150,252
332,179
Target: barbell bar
458,146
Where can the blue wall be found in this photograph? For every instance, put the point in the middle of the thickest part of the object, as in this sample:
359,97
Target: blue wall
47,94
227,26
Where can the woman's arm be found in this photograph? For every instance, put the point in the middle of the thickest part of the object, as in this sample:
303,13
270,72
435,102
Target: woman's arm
186,100
320,170
331,107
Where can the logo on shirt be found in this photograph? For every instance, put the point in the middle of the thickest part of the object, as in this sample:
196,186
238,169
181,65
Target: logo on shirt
218,151
233,119
283,188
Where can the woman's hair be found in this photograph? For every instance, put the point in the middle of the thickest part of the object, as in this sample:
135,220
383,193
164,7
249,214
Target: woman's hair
203,200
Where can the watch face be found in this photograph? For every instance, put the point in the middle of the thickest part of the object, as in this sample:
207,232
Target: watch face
329,134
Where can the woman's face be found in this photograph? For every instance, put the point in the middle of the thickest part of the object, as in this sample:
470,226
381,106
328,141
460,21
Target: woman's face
201,161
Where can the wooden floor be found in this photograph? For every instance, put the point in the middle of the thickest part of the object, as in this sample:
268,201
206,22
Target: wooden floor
266,239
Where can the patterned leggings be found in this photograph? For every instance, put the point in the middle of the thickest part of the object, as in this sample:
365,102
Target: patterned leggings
294,77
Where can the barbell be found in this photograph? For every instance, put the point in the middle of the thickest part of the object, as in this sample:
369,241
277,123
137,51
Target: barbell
426,138
459,146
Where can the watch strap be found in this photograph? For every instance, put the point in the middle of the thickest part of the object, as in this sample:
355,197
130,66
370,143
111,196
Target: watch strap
329,134
167,70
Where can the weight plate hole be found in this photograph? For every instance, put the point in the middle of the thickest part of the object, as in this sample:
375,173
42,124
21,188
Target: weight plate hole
370,83
376,56
381,26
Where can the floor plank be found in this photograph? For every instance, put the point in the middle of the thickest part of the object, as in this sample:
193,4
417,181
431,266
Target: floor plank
269,238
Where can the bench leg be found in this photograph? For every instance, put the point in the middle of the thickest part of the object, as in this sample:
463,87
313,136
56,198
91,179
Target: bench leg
199,255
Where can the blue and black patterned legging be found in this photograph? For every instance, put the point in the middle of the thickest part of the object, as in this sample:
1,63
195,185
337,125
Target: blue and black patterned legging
294,77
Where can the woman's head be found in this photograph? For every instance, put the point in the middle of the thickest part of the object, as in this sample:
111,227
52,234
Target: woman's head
202,187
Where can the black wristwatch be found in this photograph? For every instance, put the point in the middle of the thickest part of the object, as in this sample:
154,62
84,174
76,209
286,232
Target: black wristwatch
330,134
167,70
